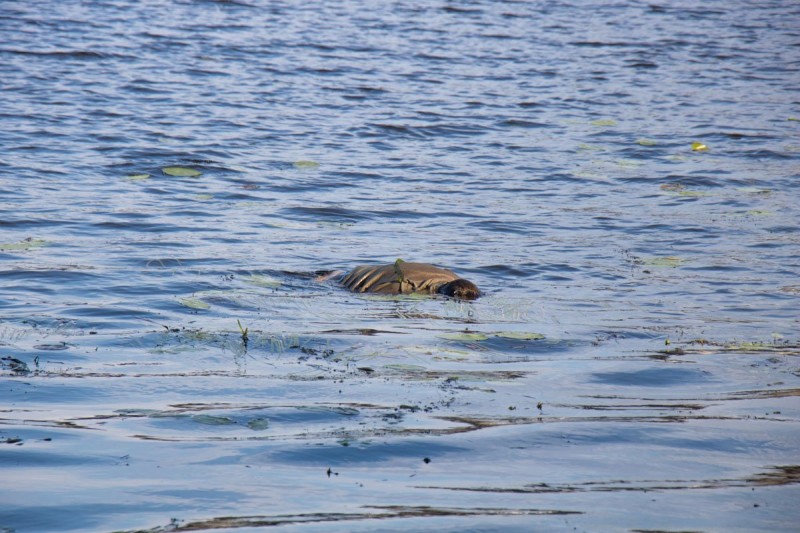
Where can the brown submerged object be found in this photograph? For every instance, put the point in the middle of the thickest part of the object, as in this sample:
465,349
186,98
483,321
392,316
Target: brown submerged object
406,278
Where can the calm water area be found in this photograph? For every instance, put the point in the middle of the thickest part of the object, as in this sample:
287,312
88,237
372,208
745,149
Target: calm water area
620,178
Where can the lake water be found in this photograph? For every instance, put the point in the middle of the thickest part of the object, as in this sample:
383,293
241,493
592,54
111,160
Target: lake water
169,362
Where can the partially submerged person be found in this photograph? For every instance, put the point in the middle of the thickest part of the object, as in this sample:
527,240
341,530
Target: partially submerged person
406,278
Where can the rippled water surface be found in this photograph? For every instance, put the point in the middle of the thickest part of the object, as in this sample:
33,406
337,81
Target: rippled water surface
169,362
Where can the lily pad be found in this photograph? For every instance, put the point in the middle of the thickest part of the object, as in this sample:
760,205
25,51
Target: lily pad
194,303
181,172
137,177
646,142
464,336
305,164
699,147
203,197
603,122
520,335
25,244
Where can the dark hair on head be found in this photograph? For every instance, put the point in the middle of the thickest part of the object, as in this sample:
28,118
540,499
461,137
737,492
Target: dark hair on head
461,289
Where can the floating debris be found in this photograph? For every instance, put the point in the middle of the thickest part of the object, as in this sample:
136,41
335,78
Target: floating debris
194,303
305,164
181,172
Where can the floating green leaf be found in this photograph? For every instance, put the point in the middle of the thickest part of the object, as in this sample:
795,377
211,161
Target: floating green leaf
258,424
194,303
263,281
211,420
699,147
464,336
203,197
520,335
137,177
603,122
646,142
181,172
305,164
26,244
794,119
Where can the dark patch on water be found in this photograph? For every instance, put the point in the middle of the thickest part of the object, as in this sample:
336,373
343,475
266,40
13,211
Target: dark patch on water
653,377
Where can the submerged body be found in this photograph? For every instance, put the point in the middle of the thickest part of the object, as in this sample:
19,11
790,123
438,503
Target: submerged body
406,278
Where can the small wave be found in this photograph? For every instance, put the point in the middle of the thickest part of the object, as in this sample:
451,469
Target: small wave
519,123
76,54
423,132
339,214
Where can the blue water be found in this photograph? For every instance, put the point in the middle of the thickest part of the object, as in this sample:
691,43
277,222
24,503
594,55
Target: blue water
632,365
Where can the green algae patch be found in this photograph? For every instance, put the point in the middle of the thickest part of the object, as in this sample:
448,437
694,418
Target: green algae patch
646,142
181,172
23,245
305,164
193,303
